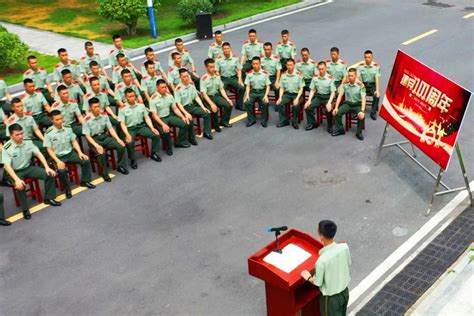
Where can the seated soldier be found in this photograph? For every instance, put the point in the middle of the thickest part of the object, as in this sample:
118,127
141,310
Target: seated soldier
104,83
16,157
272,63
149,79
173,71
134,121
230,69
122,65
69,109
188,101
95,92
66,63
62,147
100,136
165,112
150,56
75,92
257,87
40,77
186,58
127,83
291,89
35,103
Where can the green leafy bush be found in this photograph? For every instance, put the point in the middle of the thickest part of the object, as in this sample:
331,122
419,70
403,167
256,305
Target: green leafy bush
187,9
12,49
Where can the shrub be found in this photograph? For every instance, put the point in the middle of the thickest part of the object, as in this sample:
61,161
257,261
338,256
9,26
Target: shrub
12,49
187,9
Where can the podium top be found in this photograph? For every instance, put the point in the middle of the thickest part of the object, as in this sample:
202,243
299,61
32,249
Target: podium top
263,267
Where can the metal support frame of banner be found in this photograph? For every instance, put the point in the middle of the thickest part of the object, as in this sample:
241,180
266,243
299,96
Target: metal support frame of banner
431,174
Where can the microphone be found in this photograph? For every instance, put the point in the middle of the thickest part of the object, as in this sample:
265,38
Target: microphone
277,229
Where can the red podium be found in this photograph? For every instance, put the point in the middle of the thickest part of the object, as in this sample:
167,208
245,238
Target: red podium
287,293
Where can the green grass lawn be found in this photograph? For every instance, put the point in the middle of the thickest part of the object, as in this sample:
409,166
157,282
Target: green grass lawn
15,74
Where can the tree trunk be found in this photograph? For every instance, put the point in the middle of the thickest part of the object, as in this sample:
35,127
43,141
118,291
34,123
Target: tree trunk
132,28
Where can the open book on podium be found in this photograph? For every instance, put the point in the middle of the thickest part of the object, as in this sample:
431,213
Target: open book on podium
286,291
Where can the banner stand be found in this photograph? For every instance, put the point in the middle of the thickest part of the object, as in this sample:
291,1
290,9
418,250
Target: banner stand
436,177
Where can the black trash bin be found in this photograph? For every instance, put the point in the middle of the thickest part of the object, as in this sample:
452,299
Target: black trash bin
204,25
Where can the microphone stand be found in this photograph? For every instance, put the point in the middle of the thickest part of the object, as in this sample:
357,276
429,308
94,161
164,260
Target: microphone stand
278,250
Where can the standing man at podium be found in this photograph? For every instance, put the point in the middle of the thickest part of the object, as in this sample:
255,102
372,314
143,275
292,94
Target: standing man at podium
332,272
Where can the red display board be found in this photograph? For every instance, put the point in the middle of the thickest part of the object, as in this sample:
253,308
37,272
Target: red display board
425,107
288,293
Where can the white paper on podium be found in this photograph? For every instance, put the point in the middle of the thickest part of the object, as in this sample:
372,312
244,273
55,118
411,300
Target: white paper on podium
289,259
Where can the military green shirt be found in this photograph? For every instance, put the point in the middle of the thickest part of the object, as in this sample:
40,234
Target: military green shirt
257,80
292,83
148,83
40,77
271,64
186,59
18,156
72,66
158,68
251,50
120,91
368,73
332,269
68,110
185,95
173,74
95,125
228,67
33,102
337,69
133,115
59,140
103,100
113,55
117,73
211,84
162,104
75,91
308,68
103,81
86,60
353,92
27,122
2,115
215,50
3,89
323,85
287,50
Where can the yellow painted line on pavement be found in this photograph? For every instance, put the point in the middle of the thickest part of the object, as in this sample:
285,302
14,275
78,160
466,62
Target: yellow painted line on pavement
59,198
467,16
238,118
414,39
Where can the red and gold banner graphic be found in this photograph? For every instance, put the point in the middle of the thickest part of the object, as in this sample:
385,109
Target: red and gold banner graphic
425,107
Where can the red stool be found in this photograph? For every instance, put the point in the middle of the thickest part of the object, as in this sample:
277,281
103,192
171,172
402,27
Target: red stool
258,112
197,125
289,113
320,115
72,175
32,189
233,94
109,160
173,134
368,102
351,120
141,144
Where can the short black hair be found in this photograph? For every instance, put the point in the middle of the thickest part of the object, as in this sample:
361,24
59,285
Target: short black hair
15,127
28,80
148,50
178,40
31,57
217,32
268,44
173,55
290,59
129,90
226,44
54,113
209,61
93,100
15,100
256,58
119,55
305,49
368,52
93,78
62,50
116,36
181,70
285,32
252,31
61,87
334,49
88,44
65,72
327,228
125,71
160,81
93,63
352,70
148,63
322,63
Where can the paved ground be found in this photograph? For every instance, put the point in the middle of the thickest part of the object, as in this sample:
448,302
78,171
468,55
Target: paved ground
173,238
